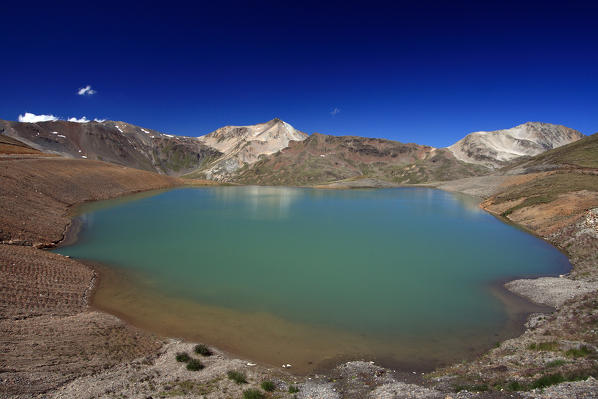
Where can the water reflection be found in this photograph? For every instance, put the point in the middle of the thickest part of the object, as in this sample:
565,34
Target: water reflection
262,203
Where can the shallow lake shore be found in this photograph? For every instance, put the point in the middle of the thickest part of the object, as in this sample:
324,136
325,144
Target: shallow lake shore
135,363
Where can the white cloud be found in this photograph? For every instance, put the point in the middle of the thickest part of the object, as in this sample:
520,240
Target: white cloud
335,111
80,120
32,118
86,91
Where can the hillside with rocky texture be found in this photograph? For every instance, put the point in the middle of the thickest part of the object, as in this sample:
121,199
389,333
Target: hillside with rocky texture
244,145
322,159
115,142
495,149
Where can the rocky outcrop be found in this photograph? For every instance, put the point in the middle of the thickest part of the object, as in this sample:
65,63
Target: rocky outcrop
494,149
244,145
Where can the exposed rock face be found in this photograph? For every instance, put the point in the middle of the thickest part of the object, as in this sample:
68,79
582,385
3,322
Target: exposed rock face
495,149
242,145
116,142
323,159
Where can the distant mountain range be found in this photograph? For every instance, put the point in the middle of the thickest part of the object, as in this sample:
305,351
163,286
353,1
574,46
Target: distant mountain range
275,153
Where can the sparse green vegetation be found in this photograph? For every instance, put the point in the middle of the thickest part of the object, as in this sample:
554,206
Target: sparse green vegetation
293,389
268,386
556,363
552,379
182,357
515,386
471,388
575,353
544,346
546,189
548,380
237,377
195,365
253,394
202,349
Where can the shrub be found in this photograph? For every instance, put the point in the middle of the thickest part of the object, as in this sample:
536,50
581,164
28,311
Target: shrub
293,389
253,394
195,365
268,386
237,377
203,350
182,357
548,380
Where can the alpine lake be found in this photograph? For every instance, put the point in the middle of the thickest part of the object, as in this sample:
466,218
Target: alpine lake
409,277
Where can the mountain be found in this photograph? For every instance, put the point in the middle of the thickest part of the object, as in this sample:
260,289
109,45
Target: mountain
581,154
9,145
116,142
495,149
241,145
275,153
323,159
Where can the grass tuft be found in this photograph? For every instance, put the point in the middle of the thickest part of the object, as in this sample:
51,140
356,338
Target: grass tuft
268,386
253,394
515,386
195,365
544,346
556,363
576,353
548,380
203,350
293,389
182,357
237,377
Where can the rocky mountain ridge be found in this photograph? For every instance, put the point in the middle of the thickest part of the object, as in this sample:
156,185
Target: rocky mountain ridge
323,159
276,153
115,142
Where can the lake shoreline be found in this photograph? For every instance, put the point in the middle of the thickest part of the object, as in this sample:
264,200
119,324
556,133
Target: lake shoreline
517,307
14,245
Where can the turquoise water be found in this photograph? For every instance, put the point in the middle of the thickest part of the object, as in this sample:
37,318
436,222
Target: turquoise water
396,266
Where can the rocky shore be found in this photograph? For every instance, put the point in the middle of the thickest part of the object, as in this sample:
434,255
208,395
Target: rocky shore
54,345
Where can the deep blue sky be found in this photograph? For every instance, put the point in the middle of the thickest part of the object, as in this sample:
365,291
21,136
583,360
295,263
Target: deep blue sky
421,72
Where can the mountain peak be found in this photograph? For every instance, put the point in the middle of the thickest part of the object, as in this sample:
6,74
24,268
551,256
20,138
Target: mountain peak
493,149
245,144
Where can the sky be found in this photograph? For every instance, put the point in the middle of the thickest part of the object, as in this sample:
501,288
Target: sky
418,71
